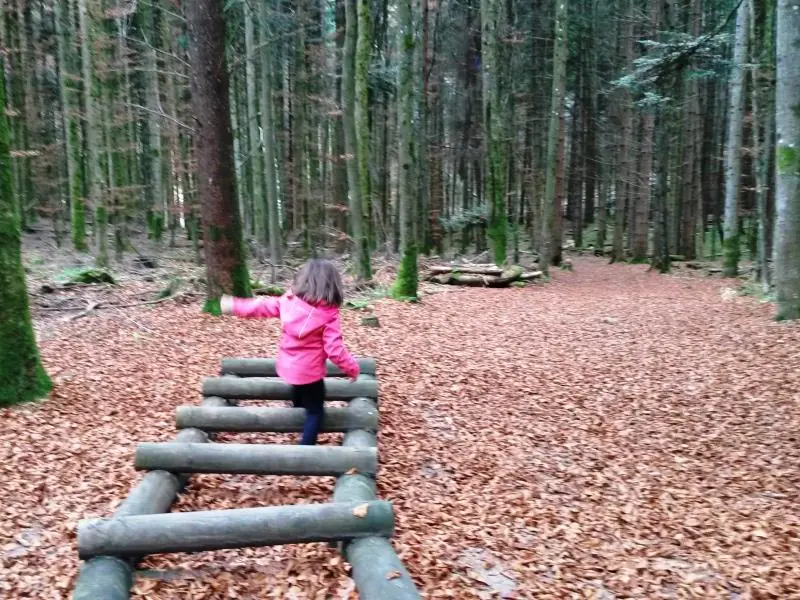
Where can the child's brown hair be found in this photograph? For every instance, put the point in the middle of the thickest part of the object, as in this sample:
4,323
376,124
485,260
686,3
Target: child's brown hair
318,281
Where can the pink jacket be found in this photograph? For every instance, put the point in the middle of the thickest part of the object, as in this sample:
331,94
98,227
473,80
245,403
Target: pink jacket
309,335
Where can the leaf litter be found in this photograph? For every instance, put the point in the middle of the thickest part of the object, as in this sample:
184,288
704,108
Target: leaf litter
523,435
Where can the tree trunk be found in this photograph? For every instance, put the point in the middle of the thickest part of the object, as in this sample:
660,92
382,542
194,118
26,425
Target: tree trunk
661,256
94,175
494,117
787,120
405,286
551,207
762,134
268,131
639,245
226,269
733,149
363,55
22,377
74,194
623,187
254,165
352,148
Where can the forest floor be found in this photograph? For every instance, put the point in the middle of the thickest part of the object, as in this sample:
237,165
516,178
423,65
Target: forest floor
611,434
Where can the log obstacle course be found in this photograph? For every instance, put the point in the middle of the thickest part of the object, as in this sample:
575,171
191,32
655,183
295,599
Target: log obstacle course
355,521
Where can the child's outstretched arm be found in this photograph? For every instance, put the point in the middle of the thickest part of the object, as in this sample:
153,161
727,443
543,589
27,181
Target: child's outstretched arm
336,351
261,307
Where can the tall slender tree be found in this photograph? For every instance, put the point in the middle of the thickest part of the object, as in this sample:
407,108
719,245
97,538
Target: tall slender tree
226,269
551,207
733,143
268,141
406,284
355,175
494,119
22,377
787,119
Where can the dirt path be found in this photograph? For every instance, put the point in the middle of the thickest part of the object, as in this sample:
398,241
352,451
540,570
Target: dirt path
612,434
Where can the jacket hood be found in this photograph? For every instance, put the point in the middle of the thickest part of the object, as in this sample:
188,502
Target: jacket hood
300,318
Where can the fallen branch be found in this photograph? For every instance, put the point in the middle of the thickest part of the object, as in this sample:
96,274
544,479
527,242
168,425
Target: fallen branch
105,305
89,308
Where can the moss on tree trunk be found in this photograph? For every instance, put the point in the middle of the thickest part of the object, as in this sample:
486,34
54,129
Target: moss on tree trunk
226,268
22,377
787,120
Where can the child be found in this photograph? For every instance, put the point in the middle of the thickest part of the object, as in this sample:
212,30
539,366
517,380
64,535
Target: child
310,333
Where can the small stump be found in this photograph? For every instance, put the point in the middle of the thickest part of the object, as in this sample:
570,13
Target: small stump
370,321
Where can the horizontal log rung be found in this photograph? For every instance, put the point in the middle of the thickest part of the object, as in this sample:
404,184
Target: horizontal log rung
258,459
235,528
273,388
267,367
360,414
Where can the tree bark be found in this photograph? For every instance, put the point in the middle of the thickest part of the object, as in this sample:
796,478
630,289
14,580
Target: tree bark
254,165
226,269
153,178
551,207
623,187
273,227
352,148
363,55
787,120
22,377
494,116
406,283
94,175
733,148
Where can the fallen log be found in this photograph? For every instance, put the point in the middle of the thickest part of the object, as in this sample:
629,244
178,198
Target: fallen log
273,388
267,367
357,415
504,280
466,269
235,528
255,459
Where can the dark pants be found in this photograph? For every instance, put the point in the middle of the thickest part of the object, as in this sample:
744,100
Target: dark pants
311,397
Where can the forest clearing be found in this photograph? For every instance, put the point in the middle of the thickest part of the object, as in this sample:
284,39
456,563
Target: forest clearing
613,433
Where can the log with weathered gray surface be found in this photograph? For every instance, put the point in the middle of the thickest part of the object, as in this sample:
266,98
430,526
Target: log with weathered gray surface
273,388
256,459
109,578
236,528
267,367
378,572
357,415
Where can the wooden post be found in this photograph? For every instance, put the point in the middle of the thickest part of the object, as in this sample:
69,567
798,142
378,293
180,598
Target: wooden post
257,459
237,528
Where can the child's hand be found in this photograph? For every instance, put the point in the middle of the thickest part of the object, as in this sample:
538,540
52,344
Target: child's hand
226,304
